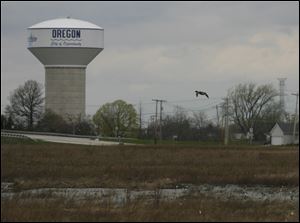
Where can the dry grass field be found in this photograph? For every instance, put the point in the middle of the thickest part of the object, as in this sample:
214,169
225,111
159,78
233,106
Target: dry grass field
45,165
66,165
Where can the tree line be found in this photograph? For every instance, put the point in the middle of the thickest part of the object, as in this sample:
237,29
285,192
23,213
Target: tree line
248,106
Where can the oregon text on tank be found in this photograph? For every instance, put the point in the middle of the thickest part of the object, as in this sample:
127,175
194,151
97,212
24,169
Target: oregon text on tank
65,33
65,46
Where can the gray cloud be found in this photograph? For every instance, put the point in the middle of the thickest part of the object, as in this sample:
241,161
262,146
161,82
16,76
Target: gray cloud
163,49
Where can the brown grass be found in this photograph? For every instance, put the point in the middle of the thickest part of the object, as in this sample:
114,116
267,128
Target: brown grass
65,165
192,209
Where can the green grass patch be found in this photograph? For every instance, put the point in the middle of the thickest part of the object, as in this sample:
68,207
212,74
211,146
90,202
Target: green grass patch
176,142
14,140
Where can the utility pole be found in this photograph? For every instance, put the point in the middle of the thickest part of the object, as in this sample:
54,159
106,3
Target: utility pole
218,123
226,123
155,126
218,115
140,108
295,118
160,120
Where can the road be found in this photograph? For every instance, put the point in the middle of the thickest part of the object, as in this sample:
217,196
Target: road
71,140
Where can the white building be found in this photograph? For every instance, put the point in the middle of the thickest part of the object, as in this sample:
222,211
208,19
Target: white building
282,134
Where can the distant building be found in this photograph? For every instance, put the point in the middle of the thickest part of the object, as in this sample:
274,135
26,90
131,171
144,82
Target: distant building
238,136
282,134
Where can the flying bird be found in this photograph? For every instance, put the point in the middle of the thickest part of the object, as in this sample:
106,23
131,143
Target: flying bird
201,93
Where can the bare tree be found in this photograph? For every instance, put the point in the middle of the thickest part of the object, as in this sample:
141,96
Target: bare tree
177,125
249,103
26,102
200,119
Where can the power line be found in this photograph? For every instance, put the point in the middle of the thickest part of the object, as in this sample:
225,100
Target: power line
207,107
191,100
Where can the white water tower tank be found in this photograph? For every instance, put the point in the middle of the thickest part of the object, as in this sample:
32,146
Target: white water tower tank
65,46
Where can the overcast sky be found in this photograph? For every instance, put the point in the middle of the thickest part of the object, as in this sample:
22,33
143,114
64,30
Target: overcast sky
164,50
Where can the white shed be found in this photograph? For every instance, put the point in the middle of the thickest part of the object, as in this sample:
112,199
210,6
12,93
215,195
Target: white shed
282,134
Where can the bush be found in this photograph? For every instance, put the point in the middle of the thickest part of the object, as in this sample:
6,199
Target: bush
52,122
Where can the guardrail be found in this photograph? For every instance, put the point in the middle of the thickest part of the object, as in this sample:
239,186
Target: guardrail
13,135
46,133
18,132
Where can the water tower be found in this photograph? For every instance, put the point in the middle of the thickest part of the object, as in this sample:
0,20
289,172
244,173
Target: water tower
65,46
